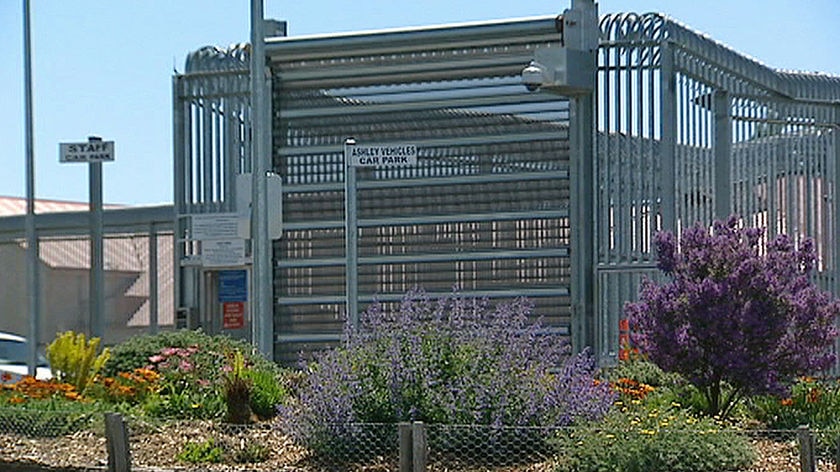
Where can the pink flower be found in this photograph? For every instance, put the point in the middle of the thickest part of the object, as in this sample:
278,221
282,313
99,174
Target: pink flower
169,351
185,366
156,358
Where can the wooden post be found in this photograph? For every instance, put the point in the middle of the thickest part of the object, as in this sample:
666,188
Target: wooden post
406,451
807,462
418,433
116,435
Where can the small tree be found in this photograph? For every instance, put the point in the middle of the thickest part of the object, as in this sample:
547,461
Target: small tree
734,313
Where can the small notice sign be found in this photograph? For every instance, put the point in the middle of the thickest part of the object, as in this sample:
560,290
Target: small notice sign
223,252
233,315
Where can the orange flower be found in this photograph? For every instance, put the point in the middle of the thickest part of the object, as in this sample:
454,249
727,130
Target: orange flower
16,400
5,377
787,402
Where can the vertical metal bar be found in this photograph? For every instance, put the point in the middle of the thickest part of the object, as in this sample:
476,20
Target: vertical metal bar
723,155
206,197
178,125
772,180
263,326
351,236
33,291
219,167
668,102
97,281
153,279
582,203
605,206
834,163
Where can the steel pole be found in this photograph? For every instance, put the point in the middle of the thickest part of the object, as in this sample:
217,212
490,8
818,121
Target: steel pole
97,279
351,237
262,326
32,276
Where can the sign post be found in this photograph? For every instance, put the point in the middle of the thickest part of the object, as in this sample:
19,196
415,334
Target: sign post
94,152
398,155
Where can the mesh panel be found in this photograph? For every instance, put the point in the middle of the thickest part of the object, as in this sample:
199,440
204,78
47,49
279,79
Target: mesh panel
485,209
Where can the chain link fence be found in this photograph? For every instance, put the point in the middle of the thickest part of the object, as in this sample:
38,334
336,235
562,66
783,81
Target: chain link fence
81,441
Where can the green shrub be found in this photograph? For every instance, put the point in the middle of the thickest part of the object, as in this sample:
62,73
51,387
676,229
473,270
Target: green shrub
267,392
639,438
200,452
192,366
135,352
251,452
812,402
237,391
198,404
74,359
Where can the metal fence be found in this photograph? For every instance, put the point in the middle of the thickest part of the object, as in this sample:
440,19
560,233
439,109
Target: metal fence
514,192
138,273
71,440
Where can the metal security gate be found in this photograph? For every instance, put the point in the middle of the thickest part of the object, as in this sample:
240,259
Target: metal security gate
508,198
484,211
690,131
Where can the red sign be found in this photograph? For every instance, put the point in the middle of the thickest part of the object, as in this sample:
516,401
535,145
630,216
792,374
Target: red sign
233,315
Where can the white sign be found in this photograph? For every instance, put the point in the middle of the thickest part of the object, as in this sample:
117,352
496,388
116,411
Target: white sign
222,252
91,151
215,226
386,155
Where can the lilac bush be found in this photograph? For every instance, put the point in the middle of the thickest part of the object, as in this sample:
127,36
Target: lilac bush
449,361
734,314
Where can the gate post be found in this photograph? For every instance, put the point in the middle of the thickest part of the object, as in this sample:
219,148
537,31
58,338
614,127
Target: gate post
406,447
116,436
419,452
723,155
807,462
580,32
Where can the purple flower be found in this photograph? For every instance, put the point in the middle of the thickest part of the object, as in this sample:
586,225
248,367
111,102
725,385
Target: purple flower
732,312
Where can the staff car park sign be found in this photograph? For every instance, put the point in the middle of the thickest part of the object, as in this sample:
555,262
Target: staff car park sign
92,151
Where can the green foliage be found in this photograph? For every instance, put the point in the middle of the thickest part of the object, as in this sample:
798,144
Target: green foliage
192,367
135,352
74,359
200,405
640,438
48,418
252,452
643,371
267,392
201,452
811,401
237,390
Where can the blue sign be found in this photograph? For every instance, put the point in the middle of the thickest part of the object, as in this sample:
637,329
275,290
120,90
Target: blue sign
233,286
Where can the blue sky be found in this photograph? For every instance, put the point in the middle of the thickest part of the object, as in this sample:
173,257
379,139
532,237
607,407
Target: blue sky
104,67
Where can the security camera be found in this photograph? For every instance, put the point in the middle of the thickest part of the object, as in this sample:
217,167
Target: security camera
561,71
533,76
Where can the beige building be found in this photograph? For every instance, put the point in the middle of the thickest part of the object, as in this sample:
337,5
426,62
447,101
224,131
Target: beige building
64,279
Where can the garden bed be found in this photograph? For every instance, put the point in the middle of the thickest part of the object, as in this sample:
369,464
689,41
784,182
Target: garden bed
157,448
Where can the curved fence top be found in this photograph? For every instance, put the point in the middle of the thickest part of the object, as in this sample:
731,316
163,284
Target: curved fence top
617,28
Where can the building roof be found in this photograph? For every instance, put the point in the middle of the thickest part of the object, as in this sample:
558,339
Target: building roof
12,206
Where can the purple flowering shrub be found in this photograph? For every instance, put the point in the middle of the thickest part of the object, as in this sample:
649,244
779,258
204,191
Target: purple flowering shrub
448,361
735,319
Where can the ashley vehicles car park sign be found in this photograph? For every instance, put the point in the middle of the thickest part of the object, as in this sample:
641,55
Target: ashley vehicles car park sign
376,156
